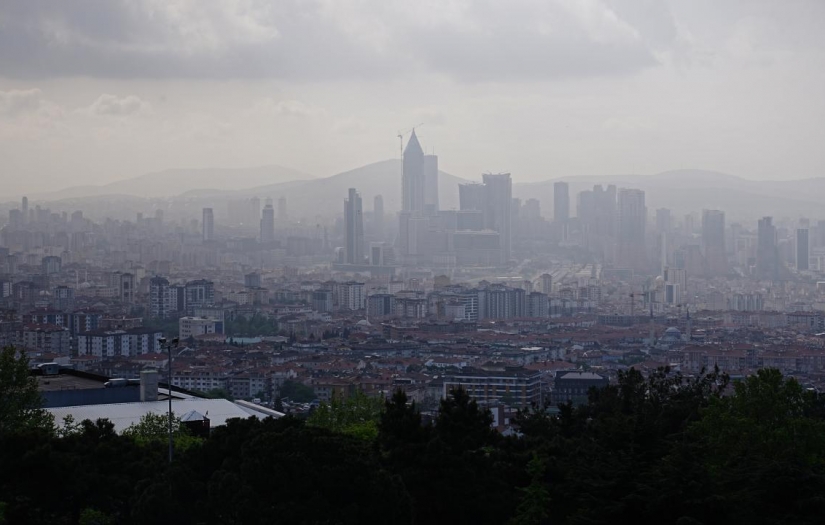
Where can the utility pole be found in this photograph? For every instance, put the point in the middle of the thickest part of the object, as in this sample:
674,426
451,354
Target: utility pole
169,346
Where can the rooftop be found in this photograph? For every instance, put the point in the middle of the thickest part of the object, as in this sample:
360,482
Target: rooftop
52,383
122,415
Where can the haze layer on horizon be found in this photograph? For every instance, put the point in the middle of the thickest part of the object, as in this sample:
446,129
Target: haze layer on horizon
98,91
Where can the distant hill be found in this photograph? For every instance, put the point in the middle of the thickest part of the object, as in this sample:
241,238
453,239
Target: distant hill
682,191
178,181
379,178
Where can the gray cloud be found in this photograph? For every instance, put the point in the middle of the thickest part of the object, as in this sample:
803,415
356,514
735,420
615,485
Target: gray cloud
16,102
112,105
315,40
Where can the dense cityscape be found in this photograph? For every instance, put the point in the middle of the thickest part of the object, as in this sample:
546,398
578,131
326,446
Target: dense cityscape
586,287
493,296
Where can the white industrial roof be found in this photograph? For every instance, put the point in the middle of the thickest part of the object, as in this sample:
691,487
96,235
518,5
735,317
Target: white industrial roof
124,414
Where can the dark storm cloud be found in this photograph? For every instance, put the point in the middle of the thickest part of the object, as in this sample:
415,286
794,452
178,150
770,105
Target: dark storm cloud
313,40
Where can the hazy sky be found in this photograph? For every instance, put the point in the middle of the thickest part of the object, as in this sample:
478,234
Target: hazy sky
93,91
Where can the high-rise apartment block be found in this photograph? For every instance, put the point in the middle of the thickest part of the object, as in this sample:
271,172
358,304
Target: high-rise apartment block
713,242
597,220
561,202
268,224
353,229
767,253
471,197
630,239
803,249
498,200
208,225
282,215
378,216
163,298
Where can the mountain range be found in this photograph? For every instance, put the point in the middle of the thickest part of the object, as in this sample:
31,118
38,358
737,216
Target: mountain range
682,191
172,182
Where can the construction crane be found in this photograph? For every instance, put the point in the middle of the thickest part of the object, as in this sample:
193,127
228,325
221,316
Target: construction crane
401,135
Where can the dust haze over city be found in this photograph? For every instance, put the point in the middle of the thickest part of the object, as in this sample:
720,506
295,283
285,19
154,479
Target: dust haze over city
470,261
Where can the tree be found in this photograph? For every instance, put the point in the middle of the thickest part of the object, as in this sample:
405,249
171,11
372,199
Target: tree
297,391
356,415
276,471
762,450
154,428
94,517
400,423
20,401
69,427
533,509
219,393
461,424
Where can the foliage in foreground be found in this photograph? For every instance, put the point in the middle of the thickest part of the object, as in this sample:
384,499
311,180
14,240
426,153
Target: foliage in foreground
356,415
20,401
661,449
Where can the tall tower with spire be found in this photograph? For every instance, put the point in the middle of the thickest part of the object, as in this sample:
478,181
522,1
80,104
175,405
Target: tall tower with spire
413,177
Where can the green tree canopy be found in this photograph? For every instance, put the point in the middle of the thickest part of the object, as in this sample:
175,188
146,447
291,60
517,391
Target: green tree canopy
356,415
463,425
154,429
297,391
20,401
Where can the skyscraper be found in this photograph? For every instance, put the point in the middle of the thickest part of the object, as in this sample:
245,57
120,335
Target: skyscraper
767,253
471,196
268,223
419,195
713,242
431,184
597,217
24,209
378,216
663,220
208,225
802,249
561,202
353,229
412,177
632,220
282,216
498,199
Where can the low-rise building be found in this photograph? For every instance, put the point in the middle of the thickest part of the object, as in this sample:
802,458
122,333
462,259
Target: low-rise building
119,343
46,337
514,386
195,326
574,386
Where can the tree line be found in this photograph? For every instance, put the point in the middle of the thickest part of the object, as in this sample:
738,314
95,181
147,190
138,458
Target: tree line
658,449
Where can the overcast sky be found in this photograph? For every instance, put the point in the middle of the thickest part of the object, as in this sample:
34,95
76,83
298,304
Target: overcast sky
93,91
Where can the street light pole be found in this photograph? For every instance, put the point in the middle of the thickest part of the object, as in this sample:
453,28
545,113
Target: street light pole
174,342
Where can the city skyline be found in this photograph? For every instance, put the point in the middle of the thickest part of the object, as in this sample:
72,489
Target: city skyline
381,261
